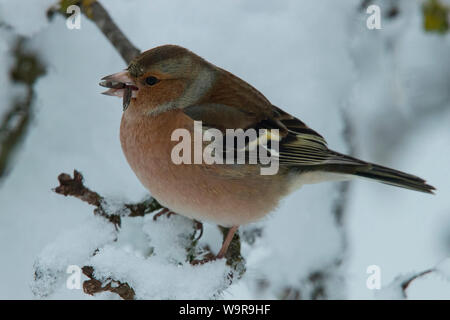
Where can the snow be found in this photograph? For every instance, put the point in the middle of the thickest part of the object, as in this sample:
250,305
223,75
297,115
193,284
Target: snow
149,256
154,278
70,248
313,59
166,234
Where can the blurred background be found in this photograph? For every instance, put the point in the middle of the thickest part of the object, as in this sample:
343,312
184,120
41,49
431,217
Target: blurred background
381,94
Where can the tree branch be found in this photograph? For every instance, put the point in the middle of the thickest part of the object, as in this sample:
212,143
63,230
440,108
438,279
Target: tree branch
405,284
94,286
75,187
26,70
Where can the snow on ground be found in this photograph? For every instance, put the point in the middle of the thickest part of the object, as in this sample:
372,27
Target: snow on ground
310,58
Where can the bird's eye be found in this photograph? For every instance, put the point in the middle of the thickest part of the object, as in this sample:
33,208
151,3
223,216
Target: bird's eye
151,80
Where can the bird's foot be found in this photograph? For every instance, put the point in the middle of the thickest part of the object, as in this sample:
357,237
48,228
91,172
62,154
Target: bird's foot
209,257
164,211
198,226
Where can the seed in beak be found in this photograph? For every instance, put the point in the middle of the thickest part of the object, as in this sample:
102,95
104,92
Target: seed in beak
112,84
119,84
127,97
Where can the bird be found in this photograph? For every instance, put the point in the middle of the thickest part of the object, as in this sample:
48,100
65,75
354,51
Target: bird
168,88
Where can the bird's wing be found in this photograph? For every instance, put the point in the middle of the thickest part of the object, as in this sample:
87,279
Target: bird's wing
234,104
297,144
302,146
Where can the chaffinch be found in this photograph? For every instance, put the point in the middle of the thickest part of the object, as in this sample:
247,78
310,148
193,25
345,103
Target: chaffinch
169,88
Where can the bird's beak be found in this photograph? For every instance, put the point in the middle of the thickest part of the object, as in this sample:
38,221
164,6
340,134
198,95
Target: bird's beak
118,83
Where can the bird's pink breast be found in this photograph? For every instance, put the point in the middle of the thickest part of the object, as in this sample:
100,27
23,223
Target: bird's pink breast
197,191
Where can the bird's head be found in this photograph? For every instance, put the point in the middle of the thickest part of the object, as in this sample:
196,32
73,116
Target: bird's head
168,76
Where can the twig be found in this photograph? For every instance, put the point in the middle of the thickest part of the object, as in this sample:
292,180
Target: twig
142,208
75,187
405,284
26,70
94,286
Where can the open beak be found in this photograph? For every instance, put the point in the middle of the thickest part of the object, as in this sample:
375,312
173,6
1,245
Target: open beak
120,85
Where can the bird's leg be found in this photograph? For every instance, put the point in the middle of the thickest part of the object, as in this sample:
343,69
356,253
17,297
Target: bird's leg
223,250
198,226
226,242
163,212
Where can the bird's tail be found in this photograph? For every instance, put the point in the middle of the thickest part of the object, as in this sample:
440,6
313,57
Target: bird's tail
381,174
394,177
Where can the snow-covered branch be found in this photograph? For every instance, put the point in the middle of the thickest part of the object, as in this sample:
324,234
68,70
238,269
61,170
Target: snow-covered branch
75,187
94,286
106,275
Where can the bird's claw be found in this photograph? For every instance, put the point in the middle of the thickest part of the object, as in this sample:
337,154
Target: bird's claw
164,211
